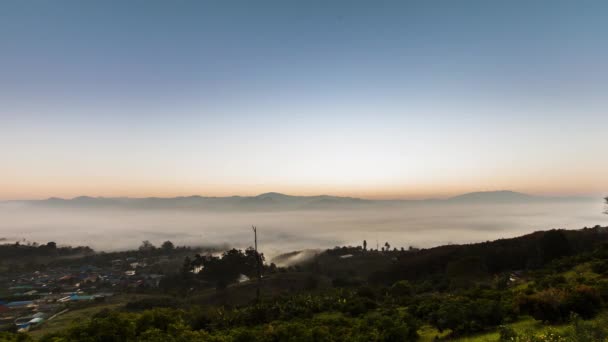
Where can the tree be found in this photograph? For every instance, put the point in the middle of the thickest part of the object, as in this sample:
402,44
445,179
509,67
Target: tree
401,288
231,265
187,266
146,246
585,301
606,199
554,244
167,246
387,246
466,267
546,306
365,243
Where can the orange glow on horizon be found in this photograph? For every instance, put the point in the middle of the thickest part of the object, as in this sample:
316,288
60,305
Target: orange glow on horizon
17,191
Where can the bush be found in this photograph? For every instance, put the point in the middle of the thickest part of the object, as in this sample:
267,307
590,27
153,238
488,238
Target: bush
600,266
401,288
346,282
555,305
366,292
14,337
359,306
582,331
585,301
150,303
546,305
507,333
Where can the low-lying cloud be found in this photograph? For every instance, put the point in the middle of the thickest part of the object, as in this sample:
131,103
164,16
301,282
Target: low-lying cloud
421,225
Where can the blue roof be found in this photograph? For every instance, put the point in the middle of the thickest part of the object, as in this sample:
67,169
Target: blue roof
80,297
20,303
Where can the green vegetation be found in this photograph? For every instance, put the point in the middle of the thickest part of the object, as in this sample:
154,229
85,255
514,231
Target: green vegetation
71,317
546,286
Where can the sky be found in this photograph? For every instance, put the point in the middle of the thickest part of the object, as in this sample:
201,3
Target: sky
375,99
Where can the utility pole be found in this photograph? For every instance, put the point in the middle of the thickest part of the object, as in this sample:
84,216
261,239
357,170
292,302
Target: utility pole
257,260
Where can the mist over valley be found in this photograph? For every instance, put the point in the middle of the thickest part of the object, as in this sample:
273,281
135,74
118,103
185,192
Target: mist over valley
288,223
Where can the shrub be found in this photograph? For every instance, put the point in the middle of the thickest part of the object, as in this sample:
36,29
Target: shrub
584,300
507,333
401,288
14,337
359,306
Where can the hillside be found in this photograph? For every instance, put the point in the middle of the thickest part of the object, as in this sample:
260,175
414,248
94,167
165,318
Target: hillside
548,282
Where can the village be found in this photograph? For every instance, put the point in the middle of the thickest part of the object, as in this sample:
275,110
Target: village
31,298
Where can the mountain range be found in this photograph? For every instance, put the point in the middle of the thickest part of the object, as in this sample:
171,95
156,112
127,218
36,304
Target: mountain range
278,201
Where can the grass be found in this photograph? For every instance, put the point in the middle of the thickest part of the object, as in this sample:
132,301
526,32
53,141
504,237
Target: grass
428,333
581,271
328,315
526,324
65,321
77,314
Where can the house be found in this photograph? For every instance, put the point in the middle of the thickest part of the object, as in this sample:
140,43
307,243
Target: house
21,304
25,323
68,279
25,327
90,279
79,298
36,320
154,279
39,315
64,299
117,264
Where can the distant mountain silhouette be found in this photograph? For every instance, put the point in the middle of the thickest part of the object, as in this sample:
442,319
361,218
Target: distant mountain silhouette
507,196
495,196
282,202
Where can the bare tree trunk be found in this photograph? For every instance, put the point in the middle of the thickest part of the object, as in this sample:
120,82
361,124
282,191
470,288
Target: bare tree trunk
257,261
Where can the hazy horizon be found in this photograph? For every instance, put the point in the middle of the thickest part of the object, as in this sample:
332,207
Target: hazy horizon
444,196
425,224
439,193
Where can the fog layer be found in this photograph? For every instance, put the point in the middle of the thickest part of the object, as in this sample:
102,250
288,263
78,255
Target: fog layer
420,225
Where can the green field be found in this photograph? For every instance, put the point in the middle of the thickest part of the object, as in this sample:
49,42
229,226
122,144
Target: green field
82,312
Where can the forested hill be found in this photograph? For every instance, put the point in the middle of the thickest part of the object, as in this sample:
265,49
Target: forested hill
526,252
530,251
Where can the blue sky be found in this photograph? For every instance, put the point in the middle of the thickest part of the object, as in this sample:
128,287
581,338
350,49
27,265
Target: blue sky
372,99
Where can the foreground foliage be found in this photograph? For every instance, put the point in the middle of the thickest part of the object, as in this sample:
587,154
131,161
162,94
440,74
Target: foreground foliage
177,325
554,277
